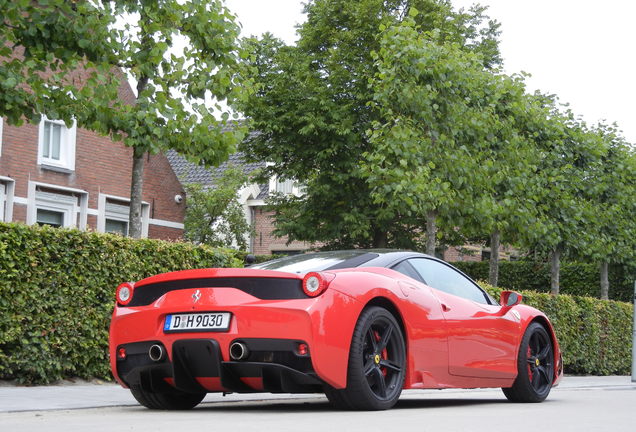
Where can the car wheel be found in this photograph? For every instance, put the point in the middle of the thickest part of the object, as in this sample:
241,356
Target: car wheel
535,365
376,363
168,400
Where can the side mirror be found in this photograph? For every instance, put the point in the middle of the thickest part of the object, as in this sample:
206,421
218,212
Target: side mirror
249,260
510,298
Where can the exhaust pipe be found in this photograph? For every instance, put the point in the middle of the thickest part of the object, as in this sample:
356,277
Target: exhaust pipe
156,353
239,351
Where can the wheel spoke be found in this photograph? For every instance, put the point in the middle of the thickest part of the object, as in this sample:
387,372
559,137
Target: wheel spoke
536,378
379,379
390,365
543,355
369,367
372,340
386,337
544,374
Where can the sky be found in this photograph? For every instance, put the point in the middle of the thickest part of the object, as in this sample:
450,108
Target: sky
581,50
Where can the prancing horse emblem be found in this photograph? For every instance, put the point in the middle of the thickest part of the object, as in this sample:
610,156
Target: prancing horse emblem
196,296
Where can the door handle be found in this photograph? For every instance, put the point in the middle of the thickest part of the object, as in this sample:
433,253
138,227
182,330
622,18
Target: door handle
445,308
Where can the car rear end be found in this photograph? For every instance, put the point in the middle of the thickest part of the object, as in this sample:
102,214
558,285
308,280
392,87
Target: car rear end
227,330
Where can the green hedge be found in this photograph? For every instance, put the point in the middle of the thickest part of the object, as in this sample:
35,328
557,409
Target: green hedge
595,335
575,278
57,291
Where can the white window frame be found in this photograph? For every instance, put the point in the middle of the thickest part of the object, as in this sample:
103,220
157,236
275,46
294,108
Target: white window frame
68,141
75,214
6,199
295,188
103,214
1,136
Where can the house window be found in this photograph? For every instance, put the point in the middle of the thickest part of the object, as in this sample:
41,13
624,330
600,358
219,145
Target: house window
116,217
1,121
56,144
3,200
114,212
56,206
50,217
7,187
284,186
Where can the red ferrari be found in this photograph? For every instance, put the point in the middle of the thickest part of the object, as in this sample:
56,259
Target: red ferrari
357,325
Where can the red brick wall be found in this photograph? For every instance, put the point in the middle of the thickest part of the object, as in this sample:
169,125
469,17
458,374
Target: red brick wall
264,241
101,166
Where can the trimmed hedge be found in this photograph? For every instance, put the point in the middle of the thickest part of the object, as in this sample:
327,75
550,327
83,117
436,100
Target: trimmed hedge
575,278
595,335
57,291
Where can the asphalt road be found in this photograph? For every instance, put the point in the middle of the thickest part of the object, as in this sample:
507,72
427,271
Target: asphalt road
579,404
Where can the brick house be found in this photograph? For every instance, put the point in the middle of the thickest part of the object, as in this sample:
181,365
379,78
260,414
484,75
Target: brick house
71,177
252,197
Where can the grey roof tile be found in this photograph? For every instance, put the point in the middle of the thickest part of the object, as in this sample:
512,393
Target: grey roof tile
189,173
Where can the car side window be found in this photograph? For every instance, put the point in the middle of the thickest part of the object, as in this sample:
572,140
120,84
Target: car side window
407,269
445,278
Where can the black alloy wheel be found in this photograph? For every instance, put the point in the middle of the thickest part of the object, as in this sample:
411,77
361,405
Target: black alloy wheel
377,362
535,366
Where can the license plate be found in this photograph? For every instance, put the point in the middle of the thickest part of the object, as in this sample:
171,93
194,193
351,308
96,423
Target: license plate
207,321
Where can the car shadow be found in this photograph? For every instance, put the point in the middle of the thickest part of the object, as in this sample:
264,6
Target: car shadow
317,405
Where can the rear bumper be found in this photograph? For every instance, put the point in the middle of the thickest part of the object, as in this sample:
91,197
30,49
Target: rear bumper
324,323
196,366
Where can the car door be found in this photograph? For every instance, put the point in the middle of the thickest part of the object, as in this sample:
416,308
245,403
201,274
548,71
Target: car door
482,338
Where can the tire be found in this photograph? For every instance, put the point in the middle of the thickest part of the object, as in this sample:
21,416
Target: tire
535,365
377,360
168,400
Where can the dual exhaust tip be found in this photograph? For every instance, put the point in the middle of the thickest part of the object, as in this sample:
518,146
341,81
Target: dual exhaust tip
238,351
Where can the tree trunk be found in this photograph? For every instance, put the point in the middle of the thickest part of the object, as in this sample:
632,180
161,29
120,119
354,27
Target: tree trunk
604,280
136,187
379,238
493,275
555,268
431,232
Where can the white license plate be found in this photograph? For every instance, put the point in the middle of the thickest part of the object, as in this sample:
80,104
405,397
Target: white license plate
207,321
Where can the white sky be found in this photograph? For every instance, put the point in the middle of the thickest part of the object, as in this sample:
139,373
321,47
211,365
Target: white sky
581,50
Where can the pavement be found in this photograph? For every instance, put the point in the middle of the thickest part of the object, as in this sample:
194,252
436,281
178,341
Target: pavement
84,395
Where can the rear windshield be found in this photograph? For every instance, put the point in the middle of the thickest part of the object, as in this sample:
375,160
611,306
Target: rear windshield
317,261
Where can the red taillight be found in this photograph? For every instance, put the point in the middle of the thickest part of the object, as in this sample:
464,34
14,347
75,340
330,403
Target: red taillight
121,353
124,293
315,283
302,349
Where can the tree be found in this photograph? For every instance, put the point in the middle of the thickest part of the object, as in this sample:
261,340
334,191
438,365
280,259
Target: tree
425,158
611,191
42,44
214,215
505,206
183,55
567,156
313,110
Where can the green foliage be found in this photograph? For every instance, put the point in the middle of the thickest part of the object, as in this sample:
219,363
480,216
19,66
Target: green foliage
577,279
57,292
312,108
595,335
56,36
214,215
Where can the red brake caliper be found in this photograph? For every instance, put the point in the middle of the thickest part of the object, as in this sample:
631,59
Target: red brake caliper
384,354
528,362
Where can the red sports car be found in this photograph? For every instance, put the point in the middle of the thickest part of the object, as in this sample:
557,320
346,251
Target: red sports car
357,325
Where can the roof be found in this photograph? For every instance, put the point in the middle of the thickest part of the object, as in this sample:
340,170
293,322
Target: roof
190,173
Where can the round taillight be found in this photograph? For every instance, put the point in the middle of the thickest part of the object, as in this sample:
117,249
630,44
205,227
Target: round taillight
314,284
124,293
